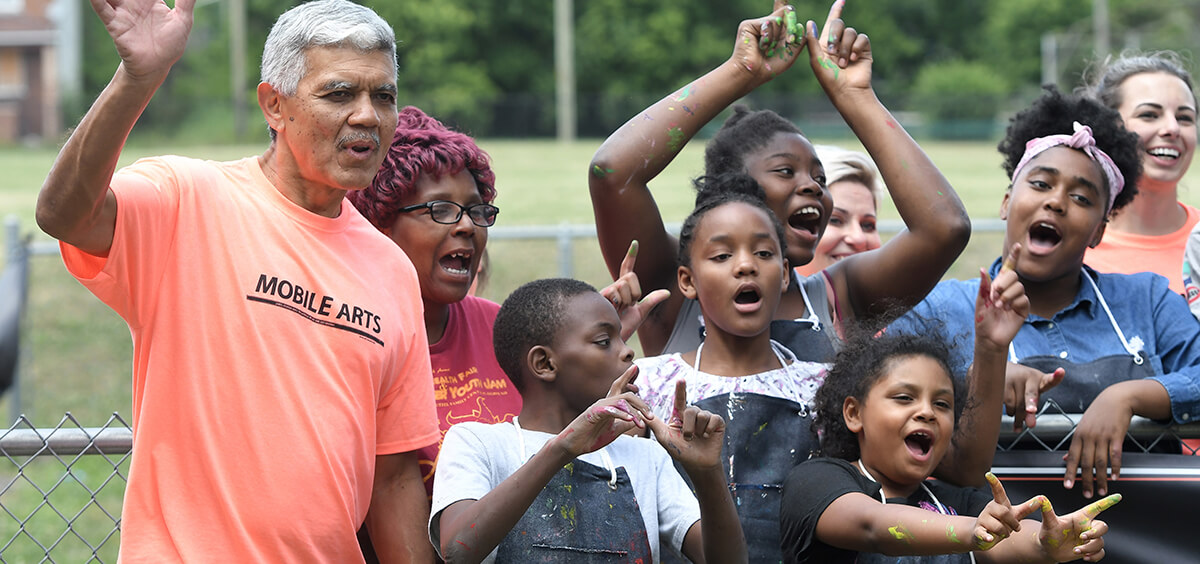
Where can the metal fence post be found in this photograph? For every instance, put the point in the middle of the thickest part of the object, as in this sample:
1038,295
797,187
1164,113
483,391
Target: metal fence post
14,250
566,254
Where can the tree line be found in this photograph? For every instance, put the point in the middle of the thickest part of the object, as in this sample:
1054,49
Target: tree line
487,66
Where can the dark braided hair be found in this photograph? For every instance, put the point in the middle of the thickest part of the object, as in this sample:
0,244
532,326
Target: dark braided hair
713,192
744,132
1054,113
860,364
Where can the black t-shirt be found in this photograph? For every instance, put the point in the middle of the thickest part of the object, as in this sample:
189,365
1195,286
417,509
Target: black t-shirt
814,484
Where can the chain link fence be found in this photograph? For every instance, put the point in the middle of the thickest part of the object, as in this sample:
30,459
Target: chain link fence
63,486
62,490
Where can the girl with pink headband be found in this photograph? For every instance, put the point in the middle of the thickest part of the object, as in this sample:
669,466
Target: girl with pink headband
1071,162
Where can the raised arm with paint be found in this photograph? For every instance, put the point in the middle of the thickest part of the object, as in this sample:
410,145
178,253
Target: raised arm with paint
885,417
774,152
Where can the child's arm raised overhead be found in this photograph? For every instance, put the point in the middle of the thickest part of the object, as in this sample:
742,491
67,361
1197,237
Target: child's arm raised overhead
1001,307
632,156
695,437
905,269
470,529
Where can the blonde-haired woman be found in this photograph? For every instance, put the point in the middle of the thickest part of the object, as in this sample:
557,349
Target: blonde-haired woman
853,180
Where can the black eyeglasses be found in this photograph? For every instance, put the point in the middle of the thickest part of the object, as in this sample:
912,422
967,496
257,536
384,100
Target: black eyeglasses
449,213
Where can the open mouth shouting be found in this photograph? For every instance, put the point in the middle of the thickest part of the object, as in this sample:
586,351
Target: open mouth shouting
919,444
1043,237
806,220
457,263
748,299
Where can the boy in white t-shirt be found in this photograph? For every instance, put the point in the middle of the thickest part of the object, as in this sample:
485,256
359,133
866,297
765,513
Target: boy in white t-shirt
563,481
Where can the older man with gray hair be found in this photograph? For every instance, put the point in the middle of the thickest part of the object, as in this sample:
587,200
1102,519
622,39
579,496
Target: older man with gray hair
281,379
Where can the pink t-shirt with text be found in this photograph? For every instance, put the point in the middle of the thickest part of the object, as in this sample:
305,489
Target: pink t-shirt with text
468,384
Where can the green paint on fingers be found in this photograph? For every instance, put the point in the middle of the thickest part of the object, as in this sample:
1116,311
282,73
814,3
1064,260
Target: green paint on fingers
829,64
793,26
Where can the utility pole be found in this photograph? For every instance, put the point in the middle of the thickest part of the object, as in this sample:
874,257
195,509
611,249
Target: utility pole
1049,58
564,68
1100,29
237,65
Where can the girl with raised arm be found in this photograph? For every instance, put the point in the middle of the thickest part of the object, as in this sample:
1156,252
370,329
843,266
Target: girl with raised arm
774,152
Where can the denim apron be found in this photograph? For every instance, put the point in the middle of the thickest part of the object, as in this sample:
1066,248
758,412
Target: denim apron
585,514
1085,380
764,438
805,336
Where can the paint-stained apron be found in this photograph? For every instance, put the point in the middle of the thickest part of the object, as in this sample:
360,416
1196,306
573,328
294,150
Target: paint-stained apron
764,438
582,516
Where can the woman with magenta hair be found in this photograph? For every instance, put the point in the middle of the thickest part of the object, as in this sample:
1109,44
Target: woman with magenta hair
433,196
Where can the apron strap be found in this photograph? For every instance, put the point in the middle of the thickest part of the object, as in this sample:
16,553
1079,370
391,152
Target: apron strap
808,308
608,463
1129,348
1137,358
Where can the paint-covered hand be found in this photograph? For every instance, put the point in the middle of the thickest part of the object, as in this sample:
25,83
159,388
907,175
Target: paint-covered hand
1001,305
1023,388
999,519
767,46
692,436
626,295
1097,442
602,422
840,56
149,36
1074,536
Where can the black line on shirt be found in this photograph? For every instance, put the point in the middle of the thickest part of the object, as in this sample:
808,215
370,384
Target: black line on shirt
317,320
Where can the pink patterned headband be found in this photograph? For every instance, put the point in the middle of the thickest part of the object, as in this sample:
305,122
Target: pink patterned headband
1082,140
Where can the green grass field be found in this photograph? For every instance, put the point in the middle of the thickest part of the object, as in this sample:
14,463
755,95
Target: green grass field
77,352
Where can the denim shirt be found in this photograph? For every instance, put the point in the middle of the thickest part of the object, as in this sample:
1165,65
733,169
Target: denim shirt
1147,311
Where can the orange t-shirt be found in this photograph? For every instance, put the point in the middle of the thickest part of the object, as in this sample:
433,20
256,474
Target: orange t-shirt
1128,253
276,353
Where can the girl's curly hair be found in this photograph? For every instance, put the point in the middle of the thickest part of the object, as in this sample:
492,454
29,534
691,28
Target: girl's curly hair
1054,113
860,364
